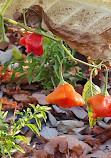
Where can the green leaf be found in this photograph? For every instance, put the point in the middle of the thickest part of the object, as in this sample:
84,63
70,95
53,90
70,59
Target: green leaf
33,128
22,138
44,115
6,66
90,90
19,148
32,105
38,122
46,108
4,115
0,107
19,113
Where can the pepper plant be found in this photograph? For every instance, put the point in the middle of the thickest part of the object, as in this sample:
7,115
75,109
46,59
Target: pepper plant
10,136
90,88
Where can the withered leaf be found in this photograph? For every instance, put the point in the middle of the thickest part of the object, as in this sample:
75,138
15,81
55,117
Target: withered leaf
26,99
59,143
66,143
40,97
8,105
5,77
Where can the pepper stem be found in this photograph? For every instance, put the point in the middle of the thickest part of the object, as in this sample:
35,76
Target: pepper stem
105,92
91,76
62,81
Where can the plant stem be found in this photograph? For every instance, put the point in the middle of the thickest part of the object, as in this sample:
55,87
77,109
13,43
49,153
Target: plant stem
105,92
29,29
75,59
5,5
24,12
91,76
61,76
2,30
56,40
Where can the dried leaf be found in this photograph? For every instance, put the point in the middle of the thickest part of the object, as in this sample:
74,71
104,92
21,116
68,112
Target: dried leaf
65,125
52,119
100,138
96,130
15,90
48,133
40,97
79,112
5,77
4,46
26,99
67,143
5,56
73,142
30,153
99,154
8,105
35,154
59,143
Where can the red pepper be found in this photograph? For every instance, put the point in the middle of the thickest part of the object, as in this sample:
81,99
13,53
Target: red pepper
101,105
33,43
65,96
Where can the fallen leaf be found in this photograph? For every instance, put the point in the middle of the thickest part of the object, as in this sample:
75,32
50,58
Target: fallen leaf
41,98
30,153
8,105
4,46
32,86
102,124
26,99
5,77
65,125
79,112
52,119
67,145
106,146
74,142
96,130
59,110
58,143
48,133
91,141
100,138
5,56
107,119
78,150
15,90
99,154
79,130
35,154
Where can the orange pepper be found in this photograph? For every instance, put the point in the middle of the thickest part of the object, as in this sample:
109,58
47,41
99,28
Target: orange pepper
65,96
101,105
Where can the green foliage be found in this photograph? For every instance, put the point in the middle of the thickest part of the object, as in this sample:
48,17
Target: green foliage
45,69
9,134
90,89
